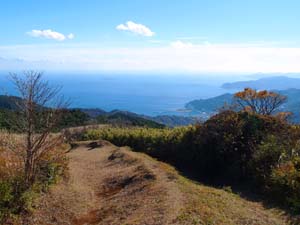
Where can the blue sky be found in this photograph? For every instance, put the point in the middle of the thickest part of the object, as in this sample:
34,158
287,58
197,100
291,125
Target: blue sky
153,35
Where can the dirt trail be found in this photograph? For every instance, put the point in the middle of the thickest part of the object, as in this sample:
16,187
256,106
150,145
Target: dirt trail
110,185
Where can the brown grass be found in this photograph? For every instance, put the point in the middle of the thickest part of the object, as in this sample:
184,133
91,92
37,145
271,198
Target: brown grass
11,162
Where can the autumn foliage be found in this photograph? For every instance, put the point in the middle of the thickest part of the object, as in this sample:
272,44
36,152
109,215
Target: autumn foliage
260,102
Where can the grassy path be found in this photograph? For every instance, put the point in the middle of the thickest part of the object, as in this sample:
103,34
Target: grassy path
110,185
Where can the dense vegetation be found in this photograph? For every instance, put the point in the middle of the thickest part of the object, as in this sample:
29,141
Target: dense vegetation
230,148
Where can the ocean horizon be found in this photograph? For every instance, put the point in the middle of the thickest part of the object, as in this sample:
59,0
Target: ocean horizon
150,95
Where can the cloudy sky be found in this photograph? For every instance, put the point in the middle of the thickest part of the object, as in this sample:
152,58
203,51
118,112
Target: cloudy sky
151,35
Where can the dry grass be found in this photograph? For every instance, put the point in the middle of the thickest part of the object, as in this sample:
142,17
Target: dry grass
110,185
11,162
12,153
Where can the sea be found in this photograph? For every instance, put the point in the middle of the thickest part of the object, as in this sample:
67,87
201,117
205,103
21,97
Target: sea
147,94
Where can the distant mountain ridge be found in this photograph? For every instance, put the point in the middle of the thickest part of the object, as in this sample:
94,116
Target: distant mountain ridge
210,106
268,83
115,115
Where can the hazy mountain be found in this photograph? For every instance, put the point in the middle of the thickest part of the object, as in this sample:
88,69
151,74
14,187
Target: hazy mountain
210,104
269,83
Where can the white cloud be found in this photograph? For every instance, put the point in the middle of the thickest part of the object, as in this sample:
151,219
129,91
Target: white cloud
223,58
136,28
50,34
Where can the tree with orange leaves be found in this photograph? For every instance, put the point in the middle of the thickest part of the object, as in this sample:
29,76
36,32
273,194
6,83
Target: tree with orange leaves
260,102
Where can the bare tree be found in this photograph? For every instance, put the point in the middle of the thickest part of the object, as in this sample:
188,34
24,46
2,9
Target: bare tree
37,115
261,102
